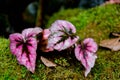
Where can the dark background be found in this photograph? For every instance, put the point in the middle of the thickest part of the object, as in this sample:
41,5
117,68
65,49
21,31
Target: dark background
15,15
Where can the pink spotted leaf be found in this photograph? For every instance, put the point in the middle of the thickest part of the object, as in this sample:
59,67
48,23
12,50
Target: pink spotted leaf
62,35
85,53
24,46
31,32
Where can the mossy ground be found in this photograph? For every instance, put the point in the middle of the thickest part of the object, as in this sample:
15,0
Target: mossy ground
96,23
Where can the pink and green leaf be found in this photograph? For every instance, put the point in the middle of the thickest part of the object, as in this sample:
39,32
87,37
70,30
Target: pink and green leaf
31,32
24,46
62,35
85,53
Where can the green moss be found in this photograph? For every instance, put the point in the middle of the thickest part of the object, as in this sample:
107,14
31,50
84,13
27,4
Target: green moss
96,23
65,15
103,16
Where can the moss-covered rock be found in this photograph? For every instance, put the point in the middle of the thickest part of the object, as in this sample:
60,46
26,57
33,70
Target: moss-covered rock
97,23
103,18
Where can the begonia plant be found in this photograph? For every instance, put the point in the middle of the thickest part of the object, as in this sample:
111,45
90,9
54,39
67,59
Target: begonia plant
60,36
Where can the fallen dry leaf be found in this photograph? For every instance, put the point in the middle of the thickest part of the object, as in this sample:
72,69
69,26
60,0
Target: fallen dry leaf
47,62
114,34
113,44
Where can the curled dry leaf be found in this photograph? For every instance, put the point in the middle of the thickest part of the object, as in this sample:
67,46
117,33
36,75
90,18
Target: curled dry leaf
114,34
47,62
113,44
43,41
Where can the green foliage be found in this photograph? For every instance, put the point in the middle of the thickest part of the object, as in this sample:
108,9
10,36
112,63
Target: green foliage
96,23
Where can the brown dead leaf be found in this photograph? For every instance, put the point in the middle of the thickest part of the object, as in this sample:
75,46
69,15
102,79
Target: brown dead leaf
47,62
114,34
113,44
